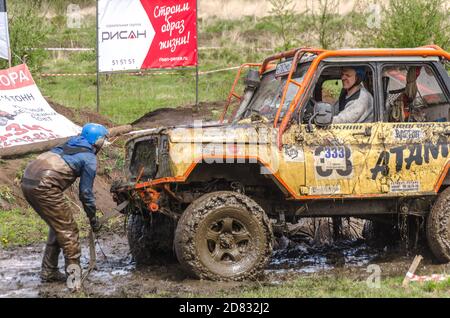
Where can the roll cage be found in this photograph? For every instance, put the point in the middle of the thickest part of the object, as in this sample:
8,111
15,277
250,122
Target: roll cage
297,54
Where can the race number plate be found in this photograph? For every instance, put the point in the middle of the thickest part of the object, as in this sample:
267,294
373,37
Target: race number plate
283,68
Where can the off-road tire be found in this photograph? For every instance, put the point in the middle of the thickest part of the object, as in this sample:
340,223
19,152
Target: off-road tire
151,238
379,234
237,224
438,227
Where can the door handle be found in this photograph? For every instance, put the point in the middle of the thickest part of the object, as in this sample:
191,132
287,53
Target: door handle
366,133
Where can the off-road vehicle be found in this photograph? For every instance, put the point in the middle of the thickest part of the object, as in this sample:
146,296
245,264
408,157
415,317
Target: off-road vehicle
217,193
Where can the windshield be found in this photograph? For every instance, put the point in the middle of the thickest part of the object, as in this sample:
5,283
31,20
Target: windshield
267,98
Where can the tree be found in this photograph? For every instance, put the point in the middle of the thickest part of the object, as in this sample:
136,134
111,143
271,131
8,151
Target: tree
410,23
327,25
284,16
28,33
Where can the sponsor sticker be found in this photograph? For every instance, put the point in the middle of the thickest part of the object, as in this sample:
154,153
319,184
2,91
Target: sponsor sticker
326,189
405,186
293,154
409,134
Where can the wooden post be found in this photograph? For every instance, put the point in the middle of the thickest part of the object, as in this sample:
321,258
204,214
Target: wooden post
411,270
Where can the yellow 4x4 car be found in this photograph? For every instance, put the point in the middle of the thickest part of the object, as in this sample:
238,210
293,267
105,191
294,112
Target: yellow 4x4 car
216,192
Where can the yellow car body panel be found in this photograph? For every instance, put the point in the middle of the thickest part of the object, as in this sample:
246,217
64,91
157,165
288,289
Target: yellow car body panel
343,160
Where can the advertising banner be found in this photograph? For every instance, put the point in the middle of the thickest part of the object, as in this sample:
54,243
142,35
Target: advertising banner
25,116
143,34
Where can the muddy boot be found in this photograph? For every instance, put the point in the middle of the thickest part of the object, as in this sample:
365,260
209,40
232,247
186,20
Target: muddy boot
49,271
74,274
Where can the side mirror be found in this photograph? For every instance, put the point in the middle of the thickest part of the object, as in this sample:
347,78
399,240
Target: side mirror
323,114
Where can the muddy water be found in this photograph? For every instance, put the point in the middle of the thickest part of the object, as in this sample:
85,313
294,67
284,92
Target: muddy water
308,258
117,276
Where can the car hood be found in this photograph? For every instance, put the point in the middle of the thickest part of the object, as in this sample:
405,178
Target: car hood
241,133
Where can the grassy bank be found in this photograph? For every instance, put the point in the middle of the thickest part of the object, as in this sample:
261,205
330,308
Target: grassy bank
21,227
322,285
125,98
338,286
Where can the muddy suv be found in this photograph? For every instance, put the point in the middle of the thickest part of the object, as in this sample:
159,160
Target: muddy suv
218,193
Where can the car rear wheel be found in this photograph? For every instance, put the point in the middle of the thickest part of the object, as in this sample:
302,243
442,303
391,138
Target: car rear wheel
379,234
224,236
438,227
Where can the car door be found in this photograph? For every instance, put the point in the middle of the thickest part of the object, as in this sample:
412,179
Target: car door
338,158
415,131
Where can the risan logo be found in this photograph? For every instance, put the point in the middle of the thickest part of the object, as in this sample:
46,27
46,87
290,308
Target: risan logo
123,35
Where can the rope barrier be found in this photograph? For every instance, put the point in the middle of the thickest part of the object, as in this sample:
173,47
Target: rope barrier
136,73
85,49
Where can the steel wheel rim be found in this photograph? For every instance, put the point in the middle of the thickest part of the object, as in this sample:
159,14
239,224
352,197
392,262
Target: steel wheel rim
228,242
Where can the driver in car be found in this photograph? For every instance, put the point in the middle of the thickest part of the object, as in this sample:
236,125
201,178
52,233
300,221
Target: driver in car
355,104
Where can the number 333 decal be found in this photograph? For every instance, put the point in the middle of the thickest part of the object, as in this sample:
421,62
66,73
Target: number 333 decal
333,162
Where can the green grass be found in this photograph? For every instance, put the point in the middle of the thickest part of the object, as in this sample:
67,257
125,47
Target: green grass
326,286
6,194
329,286
21,227
124,98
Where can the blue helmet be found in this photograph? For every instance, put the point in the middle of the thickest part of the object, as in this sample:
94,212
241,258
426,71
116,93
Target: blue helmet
360,72
93,132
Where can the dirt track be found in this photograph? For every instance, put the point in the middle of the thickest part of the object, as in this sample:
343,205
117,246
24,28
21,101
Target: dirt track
180,116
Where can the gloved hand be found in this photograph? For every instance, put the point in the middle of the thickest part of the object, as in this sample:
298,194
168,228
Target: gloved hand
95,224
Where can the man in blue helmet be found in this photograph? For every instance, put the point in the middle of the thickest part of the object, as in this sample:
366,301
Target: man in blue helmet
355,104
43,184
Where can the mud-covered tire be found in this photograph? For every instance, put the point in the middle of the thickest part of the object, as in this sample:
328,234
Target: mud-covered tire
438,227
151,239
224,236
379,234
368,232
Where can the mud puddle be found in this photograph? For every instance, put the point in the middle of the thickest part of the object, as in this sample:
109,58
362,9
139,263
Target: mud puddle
116,274
308,258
